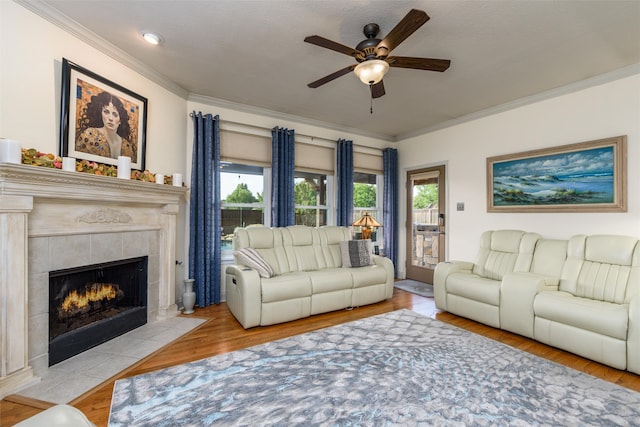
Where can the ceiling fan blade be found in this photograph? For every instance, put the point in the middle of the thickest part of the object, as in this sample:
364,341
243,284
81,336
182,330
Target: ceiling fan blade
377,90
332,76
335,46
429,64
407,26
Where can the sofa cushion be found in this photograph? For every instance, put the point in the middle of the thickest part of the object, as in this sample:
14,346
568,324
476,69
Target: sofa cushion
356,253
275,258
504,251
603,282
267,242
329,280
287,286
549,257
601,267
367,276
330,238
255,237
610,249
252,259
474,287
302,245
601,317
506,240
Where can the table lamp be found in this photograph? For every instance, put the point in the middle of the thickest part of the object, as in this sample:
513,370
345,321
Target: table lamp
366,222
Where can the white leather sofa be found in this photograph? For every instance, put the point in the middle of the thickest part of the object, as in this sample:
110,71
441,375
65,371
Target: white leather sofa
472,290
309,277
580,295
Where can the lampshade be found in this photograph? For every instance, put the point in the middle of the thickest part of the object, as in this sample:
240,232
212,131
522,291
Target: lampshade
366,221
372,71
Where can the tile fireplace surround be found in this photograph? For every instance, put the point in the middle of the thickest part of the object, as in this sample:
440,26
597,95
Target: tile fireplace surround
52,220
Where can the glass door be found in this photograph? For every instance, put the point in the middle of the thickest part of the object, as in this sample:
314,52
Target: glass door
425,222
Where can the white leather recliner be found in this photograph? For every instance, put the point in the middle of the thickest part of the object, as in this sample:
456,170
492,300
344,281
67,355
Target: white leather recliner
595,312
472,290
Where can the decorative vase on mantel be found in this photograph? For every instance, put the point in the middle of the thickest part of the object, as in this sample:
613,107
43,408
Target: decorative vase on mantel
189,296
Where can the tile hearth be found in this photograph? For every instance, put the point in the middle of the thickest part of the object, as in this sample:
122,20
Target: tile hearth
71,378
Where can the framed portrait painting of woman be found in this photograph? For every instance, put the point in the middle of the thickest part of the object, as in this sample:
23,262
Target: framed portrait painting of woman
100,120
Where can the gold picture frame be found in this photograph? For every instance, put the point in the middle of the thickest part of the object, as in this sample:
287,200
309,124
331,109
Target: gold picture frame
584,177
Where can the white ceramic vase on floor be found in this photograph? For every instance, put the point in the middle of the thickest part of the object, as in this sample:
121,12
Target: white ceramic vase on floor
189,296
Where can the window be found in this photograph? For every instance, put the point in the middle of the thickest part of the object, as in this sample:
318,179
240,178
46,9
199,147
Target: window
241,191
310,195
365,199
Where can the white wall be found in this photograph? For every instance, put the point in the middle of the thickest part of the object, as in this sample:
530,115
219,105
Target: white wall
608,110
31,52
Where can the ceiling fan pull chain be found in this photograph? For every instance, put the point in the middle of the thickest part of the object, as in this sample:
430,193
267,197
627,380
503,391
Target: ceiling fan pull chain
371,101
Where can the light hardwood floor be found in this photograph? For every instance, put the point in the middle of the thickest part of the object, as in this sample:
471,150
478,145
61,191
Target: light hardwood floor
221,333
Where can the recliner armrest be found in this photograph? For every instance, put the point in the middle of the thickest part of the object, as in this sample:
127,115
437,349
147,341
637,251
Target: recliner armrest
442,271
517,292
244,294
390,271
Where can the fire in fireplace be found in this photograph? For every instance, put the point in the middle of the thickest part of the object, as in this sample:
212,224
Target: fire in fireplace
92,304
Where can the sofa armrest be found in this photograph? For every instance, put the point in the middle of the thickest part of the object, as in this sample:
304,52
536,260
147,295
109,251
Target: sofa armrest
633,336
244,295
517,292
442,271
387,265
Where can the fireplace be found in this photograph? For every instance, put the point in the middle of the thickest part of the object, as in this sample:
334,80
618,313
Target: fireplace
92,304
52,220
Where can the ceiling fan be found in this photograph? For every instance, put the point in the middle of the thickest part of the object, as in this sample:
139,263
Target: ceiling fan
372,54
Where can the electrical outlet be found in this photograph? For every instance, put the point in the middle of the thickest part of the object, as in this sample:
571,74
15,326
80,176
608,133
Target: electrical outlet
460,206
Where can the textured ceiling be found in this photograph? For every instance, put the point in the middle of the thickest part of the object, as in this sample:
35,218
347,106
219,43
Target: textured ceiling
251,52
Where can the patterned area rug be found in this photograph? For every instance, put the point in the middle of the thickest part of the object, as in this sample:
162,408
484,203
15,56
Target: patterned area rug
398,368
415,287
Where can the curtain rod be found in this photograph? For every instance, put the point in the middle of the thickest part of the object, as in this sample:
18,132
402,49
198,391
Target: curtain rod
313,138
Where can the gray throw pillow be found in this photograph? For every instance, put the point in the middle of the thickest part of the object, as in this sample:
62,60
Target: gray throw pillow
356,253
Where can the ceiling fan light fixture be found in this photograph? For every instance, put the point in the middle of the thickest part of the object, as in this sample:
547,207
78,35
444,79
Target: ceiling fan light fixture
372,71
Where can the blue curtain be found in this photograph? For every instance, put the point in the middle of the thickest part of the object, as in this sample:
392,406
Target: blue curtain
344,172
204,217
390,203
282,179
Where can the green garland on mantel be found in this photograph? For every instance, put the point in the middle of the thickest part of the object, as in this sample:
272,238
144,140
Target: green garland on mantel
31,156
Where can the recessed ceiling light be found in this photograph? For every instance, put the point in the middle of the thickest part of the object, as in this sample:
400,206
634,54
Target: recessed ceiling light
153,38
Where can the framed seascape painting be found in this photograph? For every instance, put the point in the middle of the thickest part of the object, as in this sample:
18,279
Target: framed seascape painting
584,177
100,120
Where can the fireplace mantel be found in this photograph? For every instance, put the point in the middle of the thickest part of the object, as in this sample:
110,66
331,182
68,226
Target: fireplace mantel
49,183
39,203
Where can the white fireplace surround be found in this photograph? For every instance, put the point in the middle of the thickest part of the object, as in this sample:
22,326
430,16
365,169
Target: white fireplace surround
52,219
